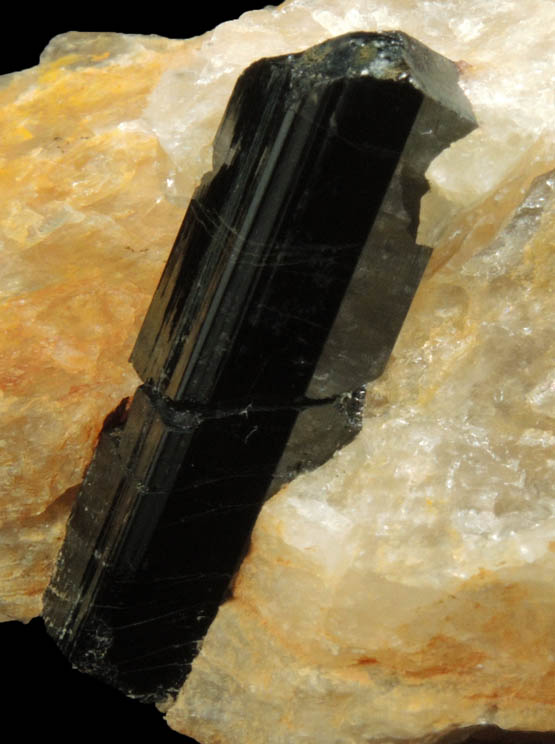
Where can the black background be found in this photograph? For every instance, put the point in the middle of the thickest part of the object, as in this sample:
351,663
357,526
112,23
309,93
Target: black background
27,31
41,694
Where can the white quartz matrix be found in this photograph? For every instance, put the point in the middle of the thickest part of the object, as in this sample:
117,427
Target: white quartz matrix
407,587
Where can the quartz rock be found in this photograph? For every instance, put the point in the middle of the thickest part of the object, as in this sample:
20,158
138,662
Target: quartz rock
456,513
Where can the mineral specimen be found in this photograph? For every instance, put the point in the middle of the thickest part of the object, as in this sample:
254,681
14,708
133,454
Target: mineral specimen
91,201
284,292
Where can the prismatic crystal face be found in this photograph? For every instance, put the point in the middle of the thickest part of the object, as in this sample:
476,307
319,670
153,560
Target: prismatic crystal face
284,293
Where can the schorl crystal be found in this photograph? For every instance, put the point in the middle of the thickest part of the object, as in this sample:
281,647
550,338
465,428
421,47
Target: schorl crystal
284,294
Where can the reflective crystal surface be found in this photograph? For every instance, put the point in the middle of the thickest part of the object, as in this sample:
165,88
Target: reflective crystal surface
284,293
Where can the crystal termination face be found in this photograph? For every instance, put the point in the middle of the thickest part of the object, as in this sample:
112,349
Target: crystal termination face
284,294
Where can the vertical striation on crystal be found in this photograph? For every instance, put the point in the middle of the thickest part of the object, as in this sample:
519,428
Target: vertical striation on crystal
284,294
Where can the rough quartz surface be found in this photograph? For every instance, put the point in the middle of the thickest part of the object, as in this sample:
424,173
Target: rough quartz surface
85,228
405,588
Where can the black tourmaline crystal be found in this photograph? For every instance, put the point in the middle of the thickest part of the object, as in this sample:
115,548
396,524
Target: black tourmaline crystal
284,293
